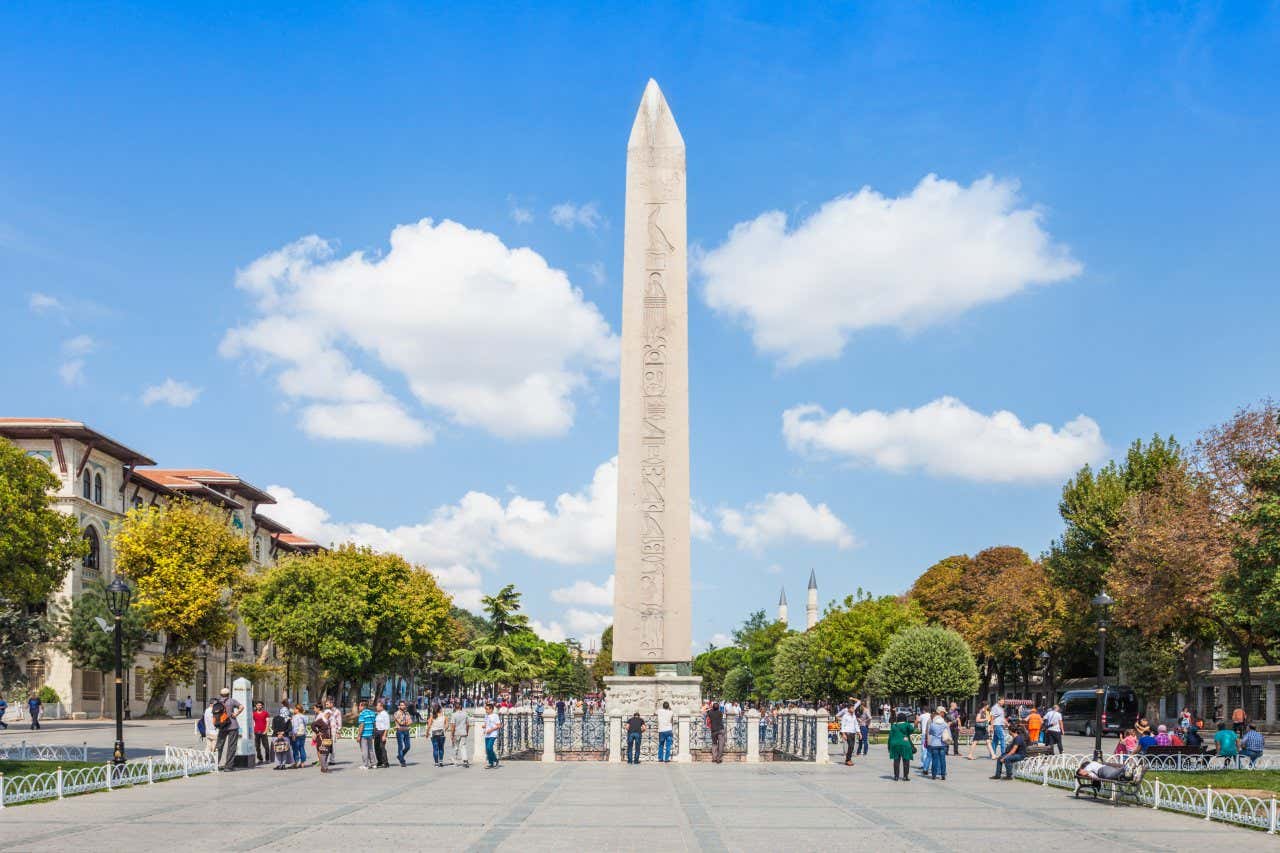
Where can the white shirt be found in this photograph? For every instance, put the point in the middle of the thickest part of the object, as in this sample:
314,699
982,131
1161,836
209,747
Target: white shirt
997,715
665,716
923,721
209,730
848,721
382,722
335,720
492,722
1052,721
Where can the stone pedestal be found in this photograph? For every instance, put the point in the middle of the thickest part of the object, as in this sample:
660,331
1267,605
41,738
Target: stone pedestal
615,737
684,755
646,693
548,723
753,736
242,692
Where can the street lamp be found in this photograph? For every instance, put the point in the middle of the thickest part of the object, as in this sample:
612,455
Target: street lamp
204,676
1102,605
118,595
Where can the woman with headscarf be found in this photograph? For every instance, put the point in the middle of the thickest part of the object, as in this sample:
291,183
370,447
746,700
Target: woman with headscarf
901,749
323,738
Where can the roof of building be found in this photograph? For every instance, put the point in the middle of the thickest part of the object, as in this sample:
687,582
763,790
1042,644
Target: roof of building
220,480
174,484
294,542
64,428
270,524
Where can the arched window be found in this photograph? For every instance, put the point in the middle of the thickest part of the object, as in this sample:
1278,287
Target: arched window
90,561
86,486
97,489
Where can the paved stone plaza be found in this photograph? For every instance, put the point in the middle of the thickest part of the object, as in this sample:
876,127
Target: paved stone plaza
582,806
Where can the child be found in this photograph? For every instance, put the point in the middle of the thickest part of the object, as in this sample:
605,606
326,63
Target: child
283,750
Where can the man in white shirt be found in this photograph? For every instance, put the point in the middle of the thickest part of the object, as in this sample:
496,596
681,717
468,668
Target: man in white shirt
922,722
997,726
492,723
848,717
381,725
666,718
1053,728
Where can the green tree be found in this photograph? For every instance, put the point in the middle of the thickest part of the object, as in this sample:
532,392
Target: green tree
565,674
90,646
758,638
38,542
187,565
496,658
926,662
739,685
603,665
852,636
713,665
798,673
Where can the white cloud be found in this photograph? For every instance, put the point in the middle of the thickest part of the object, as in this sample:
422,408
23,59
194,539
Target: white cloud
865,260
551,632
172,392
72,372
569,215
720,641
784,516
39,303
79,345
700,527
519,215
585,592
947,438
491,336
585,626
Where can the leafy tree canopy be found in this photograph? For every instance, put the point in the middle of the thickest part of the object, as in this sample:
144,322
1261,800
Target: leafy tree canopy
926,662
39,543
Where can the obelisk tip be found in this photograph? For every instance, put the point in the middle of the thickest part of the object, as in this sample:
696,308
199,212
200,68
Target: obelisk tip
654,125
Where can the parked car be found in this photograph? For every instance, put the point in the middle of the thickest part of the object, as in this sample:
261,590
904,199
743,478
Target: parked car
1120,710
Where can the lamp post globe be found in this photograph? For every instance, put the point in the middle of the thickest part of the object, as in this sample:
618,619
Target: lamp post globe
118,596
1102,607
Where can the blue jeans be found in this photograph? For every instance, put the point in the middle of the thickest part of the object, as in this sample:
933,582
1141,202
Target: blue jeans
1008,764
402,745
633,747
997,739
490,753
938,761
925,756
437,748
1252,754
299,744
862,743
664,746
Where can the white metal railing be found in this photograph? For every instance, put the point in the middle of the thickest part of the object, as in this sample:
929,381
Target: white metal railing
1201,763
1259,812
24,751
59,783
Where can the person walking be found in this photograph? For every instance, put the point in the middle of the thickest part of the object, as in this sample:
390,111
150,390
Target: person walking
298,736
635,735
322,737
459,728
864,730
492,725
226,712
953,720
404,721
4,706
937,738
980,732
261,740
33,711
997,727
923,719
1053,729
715,725
901,749
381,727
365,734
848,732
666,726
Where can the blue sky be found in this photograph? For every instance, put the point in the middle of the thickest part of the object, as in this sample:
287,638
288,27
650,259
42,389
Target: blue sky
1099,241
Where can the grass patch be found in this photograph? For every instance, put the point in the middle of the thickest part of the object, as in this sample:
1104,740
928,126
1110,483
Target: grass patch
1254,780
21,768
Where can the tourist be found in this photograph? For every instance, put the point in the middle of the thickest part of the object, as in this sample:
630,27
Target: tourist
635,734
848,732
437,727
33,711
715,725
1146,741
365,720
459,728
1185,721
1239,719
4,706
381,728
559,713
1193,737
1228,744
1052,730
1251,745
864,730
492,725
885,714
226,710
923,719
323,737
204,726
953,720
666,725
403,722
1175,739
333,715
1034,721
1142,727
261,740
298,736
1128,743
901,749
1162,735
997,727
937,737
980,736
1016,752
280,741
187,706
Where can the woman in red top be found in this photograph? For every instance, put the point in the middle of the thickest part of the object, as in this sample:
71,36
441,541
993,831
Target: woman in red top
261,742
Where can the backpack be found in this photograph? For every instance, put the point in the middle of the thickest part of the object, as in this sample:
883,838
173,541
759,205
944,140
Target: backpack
221,719
200,726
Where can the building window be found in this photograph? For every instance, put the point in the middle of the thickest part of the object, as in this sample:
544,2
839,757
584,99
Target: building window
91,560
35,673
86,486
139,684
90,685
97,489
257,548
137,501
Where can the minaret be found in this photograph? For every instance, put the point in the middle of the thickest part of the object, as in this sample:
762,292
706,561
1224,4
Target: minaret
811,606
782,606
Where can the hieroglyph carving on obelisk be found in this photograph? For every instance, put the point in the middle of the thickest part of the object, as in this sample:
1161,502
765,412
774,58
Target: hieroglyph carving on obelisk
651,582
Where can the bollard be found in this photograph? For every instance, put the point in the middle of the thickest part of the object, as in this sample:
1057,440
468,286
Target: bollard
615,737
1155,795
59,781
1044,783
1271,822
1208,802
84,750
684,753
108,766
753,736
151,779
1273,810
186,766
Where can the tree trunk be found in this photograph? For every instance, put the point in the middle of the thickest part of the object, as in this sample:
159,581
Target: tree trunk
1246,650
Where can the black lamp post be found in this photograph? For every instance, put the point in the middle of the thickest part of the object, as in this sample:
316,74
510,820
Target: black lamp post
118,595
204,675
1102,604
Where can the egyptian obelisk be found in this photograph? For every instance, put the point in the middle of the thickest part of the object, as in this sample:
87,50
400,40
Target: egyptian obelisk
652,620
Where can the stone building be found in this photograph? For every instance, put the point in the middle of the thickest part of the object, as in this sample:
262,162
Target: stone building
100,480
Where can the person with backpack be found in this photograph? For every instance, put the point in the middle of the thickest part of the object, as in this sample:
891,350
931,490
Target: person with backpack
225,711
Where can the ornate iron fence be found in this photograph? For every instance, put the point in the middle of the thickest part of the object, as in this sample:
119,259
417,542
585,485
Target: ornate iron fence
61,783
585,733
42,752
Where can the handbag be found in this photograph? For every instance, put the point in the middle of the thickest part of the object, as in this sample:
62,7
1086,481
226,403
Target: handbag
281,746
946,737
